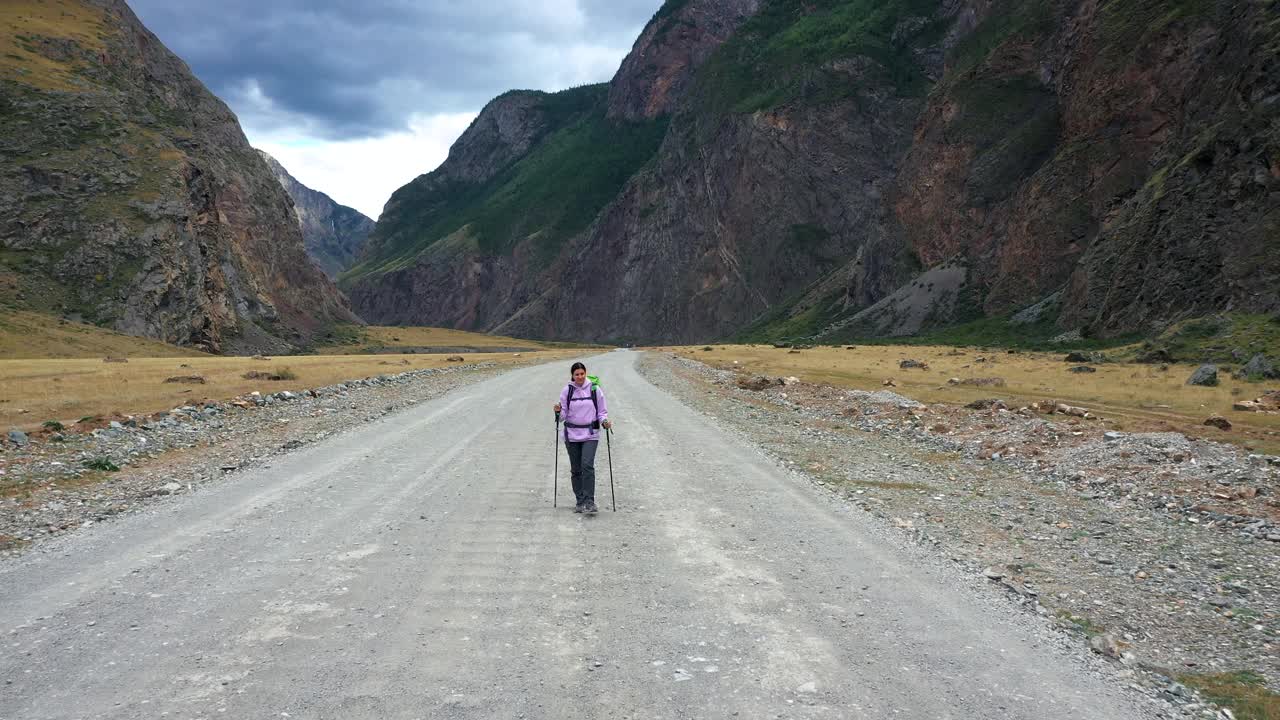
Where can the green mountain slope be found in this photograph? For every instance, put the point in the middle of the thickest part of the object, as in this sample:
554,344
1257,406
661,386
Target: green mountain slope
577,166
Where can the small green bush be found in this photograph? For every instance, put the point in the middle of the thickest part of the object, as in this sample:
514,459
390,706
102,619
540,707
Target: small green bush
283,373
104,464
54,425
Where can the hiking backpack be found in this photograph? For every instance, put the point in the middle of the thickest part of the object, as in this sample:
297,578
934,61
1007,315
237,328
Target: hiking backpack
569,398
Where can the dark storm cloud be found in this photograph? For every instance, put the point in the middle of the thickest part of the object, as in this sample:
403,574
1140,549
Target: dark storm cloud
345,68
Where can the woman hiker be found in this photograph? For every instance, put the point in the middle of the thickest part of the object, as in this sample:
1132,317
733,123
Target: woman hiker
585,412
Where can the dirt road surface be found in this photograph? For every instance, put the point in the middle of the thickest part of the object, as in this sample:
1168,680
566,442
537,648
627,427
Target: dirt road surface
414,567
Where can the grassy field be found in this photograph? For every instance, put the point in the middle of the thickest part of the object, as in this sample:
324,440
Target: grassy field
354,339
66,390
56,370
31,336
1133,396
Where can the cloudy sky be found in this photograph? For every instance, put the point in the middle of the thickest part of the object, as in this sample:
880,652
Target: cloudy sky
358,97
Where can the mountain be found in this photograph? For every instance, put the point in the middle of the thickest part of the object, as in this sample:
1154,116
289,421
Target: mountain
130,198
332,234
471,243
843,168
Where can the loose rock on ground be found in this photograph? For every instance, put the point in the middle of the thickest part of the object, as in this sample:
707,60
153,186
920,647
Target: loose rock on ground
1161,552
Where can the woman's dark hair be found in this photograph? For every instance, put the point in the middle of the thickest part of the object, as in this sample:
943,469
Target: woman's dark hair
576,367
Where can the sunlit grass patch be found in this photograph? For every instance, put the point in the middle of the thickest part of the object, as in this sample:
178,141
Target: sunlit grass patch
1243,691
1129,396
103,373
25,24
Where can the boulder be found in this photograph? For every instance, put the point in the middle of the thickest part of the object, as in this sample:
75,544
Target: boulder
186,380
1105,644
987,404
454,358
1083,369
1259,367
913,364
1064,409
17,437
757,383
1219,422
1154,356
1204,376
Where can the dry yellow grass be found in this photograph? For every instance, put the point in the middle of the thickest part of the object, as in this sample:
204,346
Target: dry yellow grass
365,339
55,370
29,335
33,391
23,20
388,337
1136,397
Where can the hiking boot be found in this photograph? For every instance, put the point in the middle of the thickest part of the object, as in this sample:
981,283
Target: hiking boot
590,508
579,508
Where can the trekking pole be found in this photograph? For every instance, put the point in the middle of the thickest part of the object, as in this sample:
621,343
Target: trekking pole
555,483
608,444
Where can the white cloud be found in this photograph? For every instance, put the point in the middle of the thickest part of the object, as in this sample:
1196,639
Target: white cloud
357,99
363,173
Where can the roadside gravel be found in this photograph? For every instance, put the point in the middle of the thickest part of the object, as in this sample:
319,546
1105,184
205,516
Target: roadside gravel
50,491
1158,553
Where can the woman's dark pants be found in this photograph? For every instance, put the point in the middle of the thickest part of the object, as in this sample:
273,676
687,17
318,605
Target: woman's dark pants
582,464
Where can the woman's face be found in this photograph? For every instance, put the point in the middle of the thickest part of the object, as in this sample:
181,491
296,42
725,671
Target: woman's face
579,375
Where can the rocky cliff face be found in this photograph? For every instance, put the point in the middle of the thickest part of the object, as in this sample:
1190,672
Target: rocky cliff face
333,234
130,197
1124,151
657,74
471,243
846,167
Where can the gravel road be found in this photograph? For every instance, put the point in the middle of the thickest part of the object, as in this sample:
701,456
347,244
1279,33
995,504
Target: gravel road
414,568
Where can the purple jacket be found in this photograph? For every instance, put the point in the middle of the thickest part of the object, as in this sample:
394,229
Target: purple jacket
582,412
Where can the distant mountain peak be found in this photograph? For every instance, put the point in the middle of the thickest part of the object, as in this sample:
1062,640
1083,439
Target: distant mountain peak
333,235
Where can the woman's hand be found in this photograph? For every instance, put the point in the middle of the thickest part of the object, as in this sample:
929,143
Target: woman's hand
556,407
607,424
